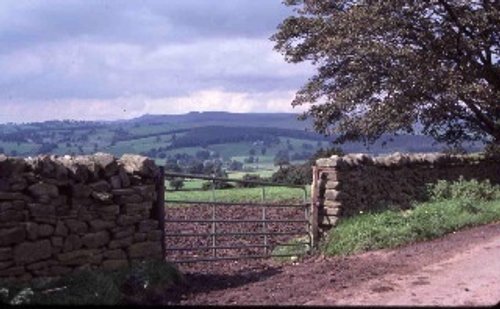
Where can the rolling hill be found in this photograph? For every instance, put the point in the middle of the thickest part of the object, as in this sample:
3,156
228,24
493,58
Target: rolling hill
231,136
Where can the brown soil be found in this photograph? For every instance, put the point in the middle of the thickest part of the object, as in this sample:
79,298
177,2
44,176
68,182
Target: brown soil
459,269
205,212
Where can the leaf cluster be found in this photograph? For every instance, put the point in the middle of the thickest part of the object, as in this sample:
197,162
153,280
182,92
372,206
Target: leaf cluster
384,66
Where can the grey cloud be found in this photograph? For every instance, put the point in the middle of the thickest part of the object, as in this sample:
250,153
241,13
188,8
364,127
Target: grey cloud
227,17
79,50
145,22
93,70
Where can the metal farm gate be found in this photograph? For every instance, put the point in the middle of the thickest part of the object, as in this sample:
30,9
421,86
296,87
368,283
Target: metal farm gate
204,231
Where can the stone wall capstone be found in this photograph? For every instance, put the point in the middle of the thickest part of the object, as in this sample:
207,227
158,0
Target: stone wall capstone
63,214
354,183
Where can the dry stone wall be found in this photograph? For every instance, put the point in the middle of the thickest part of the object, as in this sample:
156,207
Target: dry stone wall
357,182
62,214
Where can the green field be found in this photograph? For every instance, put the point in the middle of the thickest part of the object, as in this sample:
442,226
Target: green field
241,151
263,173
272,194
189,184
140,144
151,129
21,148
192,190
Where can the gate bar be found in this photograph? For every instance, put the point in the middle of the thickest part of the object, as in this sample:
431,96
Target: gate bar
237,204
264,226
233,258
234,234
234,247
214,231
237,221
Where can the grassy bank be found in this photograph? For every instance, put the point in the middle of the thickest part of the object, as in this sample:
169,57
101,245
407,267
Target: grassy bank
142,283
451,206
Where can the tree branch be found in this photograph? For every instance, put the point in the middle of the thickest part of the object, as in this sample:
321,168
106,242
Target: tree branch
491,75
490,126
466,118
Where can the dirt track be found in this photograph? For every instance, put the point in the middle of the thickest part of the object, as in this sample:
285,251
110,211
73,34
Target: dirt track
458,269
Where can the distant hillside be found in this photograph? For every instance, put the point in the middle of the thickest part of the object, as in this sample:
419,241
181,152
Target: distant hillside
232,136
201,119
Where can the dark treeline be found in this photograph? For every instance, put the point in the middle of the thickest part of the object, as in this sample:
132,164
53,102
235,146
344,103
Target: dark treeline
128,136
220,135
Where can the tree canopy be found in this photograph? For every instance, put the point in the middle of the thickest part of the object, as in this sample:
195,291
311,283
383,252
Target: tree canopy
281,158
385,66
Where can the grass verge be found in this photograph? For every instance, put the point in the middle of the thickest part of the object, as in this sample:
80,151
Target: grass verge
390,228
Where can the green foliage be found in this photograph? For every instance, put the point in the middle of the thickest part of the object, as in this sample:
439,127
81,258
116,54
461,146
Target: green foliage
492,150
391,228
293,174
218,184
236,165
214,167
250,177
135,284
471,190
325,153
302,174
367,232
383,65
281,158
176,183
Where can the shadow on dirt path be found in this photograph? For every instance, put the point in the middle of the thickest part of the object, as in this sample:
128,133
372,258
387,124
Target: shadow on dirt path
203,283
320,278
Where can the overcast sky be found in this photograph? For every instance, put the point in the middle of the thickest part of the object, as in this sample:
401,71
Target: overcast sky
100,59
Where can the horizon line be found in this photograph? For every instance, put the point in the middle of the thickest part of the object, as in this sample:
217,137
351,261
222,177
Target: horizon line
147,114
